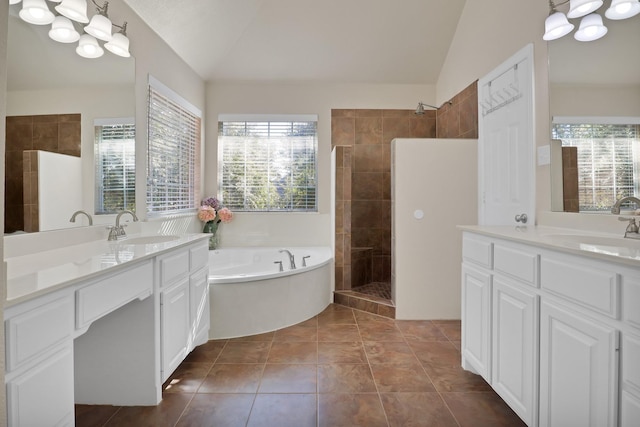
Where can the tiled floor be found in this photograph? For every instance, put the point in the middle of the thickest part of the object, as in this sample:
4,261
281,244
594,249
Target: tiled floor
377,289
344,367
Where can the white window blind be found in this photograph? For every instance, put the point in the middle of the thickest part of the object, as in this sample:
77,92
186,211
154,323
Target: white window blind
115,165
608,161
270,164
173,163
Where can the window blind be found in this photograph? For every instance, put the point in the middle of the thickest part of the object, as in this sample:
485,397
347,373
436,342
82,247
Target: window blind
173,156
608,160
115,167
269,165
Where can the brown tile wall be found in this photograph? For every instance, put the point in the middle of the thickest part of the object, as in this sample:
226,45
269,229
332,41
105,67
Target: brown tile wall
570,179
363,195
30,191
458,118
58,133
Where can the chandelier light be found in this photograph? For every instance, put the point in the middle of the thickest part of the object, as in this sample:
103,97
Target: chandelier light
71,13
591,27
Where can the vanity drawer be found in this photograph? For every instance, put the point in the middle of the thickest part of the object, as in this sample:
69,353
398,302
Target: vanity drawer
174,266
594,285
37,330
199,256
477,249
104,296
516,262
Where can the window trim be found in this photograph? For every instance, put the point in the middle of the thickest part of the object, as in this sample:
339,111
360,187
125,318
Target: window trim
161,89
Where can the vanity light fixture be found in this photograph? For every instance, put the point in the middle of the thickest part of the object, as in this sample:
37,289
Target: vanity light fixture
63,26
591,26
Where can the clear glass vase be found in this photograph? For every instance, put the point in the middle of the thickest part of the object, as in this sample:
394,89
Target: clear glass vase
212,228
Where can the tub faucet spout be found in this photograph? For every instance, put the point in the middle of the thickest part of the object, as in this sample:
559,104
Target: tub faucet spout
615,209
292,259
76,213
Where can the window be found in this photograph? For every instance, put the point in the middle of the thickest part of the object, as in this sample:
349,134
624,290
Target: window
608,159
115,150
173,163
268,164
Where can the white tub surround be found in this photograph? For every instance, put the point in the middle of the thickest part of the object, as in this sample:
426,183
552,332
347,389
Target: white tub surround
550,319
101,323
249,295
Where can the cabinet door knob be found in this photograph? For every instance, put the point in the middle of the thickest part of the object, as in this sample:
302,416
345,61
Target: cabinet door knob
521,218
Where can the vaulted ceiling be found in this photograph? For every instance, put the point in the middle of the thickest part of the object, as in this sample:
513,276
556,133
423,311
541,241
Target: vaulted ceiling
346,41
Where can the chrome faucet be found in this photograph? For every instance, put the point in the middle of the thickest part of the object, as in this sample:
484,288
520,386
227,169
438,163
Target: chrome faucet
292,260
117,232
632,229
615,209
76,213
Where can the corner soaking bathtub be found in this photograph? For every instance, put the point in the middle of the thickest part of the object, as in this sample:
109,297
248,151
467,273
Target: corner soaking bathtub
249,295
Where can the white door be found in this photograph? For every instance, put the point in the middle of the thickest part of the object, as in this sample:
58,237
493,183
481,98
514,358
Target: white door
578,370
506,144
174,330
515,332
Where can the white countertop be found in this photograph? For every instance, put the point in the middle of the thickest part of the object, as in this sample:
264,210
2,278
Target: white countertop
603,246
32,275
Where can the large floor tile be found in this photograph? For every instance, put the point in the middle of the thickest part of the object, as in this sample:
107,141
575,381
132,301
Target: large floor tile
389,352
232,378
401,377
244,352
448,378
417,410
293,352
284,410
345,378
94,415
187,378
297,333
166,413
350,410
335,333
481,410
207,352
209,410
420,330
436,352
341,352
281,378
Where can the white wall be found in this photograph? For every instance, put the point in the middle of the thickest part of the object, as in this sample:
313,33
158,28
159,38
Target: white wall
266,229
488,33
426,251
609,100
59,189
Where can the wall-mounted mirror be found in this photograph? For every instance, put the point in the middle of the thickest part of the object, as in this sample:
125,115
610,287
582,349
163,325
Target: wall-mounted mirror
48,82
594,79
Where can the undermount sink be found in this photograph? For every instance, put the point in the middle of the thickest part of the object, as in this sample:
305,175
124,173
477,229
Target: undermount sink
149,240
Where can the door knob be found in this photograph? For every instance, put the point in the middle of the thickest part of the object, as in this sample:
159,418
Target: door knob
521,218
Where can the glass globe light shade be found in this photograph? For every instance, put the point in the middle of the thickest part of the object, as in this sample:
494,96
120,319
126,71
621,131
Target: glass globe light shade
62,30
579,8
36,12
623,9
76,10
119,45
88,47
556,25
591,28
14,2
99,27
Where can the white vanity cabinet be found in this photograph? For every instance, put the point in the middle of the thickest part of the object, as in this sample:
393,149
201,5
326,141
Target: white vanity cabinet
39,356
184,304
111,337
564,332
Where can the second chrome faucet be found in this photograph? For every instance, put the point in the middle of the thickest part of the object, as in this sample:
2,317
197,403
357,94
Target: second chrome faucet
118,232
292,260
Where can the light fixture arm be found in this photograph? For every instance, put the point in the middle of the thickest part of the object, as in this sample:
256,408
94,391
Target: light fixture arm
123,28
102,10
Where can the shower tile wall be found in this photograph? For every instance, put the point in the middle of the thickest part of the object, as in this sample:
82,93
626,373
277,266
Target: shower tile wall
58,133
362,139
363,195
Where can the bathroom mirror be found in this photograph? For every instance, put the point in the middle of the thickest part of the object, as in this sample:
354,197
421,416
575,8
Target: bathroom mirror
595,79
47,78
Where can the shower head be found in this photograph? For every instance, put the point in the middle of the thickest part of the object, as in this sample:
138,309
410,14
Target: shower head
421,105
